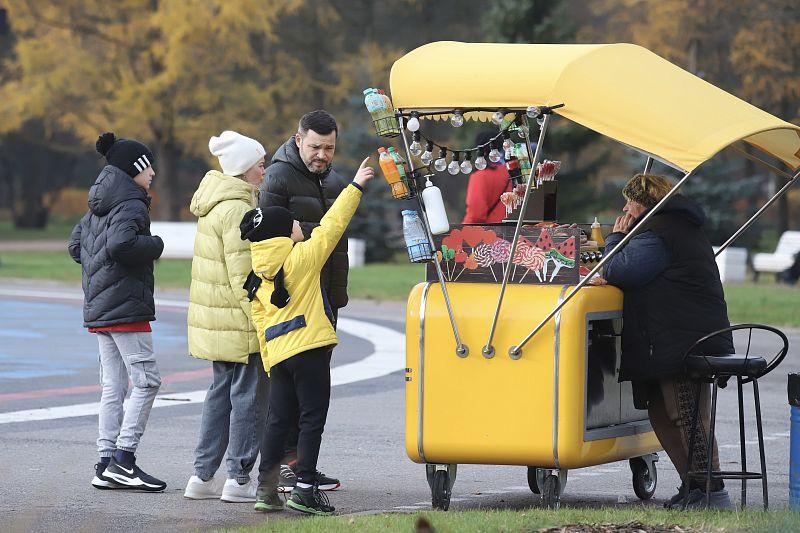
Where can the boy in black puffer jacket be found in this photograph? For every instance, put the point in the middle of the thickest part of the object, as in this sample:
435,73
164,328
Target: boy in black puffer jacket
112,242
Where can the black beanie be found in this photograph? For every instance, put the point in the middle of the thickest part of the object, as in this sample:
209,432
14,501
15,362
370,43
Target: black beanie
262,224
130,156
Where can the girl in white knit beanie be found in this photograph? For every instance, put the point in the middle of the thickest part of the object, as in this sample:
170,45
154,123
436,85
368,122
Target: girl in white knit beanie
220,328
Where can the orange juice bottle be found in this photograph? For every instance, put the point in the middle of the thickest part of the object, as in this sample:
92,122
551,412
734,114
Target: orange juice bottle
392,174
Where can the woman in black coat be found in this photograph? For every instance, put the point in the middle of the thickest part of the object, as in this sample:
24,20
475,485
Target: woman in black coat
673,297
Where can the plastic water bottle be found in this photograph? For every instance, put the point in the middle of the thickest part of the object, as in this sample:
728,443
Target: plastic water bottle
374,103
419,249
434,208
794,441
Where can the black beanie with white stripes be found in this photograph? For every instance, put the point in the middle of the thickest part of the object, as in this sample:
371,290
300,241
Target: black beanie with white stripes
128,155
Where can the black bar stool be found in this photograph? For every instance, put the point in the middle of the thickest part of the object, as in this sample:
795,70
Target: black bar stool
716,369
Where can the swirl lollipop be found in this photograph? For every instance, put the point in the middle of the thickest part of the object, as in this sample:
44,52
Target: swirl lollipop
483,257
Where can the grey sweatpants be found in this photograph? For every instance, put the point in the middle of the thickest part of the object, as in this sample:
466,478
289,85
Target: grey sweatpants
125,355
234,419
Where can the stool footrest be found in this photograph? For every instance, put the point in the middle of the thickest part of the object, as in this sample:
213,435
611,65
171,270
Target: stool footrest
726,474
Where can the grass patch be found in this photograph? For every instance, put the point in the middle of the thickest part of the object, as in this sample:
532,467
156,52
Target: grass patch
763,304
384,281
380,282
59,266
53,231
532,520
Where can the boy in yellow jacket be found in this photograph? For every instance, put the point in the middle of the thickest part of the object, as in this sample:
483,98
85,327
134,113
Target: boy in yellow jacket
293,321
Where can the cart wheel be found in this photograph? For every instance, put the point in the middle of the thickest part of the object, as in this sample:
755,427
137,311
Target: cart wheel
533,480
551,492
645,478
440,491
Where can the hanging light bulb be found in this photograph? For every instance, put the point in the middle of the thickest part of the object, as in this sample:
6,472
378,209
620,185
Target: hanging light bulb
415,147
453,168
494,154
480,161
498,116
441,162
457,119
413,122
533,111
427,155
466,165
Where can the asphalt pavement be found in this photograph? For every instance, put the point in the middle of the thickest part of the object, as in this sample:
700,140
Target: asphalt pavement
48,426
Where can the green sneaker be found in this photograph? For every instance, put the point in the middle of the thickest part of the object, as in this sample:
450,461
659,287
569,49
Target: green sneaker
310,501
267,500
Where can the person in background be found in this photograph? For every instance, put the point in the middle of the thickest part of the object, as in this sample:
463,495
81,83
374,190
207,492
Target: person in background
672,297
292,311
484,190
301,179
220,325
113,244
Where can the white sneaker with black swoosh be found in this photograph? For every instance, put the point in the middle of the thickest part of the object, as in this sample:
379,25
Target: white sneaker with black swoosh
133,477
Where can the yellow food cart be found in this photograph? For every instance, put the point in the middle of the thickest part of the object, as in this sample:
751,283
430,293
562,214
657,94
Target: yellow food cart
511,373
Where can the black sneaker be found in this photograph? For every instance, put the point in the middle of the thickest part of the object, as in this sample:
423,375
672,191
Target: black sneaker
267,500
310,500
102,482
327,483
286,480
133,477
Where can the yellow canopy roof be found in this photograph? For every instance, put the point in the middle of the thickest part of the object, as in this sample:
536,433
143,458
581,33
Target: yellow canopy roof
622,91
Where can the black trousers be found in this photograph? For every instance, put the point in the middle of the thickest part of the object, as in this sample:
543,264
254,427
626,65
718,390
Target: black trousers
290,454
300,389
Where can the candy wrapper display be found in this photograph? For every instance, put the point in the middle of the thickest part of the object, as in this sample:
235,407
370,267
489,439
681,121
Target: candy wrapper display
480,254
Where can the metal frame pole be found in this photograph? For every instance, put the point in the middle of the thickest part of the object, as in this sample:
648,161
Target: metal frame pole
488,350
758,214
515,352
648,165
462,350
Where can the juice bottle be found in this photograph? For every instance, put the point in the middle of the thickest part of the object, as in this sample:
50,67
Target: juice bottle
392,173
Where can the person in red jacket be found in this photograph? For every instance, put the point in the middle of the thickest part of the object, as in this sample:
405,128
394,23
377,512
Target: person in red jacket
484,190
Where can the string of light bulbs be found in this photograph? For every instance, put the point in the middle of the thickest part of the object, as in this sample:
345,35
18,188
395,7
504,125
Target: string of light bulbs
488,150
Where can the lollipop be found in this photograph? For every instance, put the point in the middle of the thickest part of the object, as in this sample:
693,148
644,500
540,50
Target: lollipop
533,259
501,252
508,199
483,257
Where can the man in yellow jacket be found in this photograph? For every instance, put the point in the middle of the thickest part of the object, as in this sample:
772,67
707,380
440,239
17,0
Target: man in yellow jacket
295,331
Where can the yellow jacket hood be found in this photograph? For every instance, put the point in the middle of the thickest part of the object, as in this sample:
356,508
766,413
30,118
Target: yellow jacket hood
217,187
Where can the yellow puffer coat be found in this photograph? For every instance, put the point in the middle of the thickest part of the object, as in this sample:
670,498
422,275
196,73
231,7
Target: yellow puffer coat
220,327
303,324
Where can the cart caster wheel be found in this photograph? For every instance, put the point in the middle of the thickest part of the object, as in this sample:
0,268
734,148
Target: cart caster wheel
645,477
533,480
551,492
440,491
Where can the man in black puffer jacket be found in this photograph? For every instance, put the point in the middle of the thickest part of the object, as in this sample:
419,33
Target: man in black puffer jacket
300,178
113,245
673,297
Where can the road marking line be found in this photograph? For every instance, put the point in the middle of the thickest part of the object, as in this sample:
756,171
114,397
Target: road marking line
176,377
387,357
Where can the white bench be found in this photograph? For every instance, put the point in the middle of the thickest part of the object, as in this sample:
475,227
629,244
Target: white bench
781,259
178,240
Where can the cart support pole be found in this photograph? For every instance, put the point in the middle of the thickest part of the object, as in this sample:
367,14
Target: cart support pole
758,214
648,165
515,352
488,350
461,349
